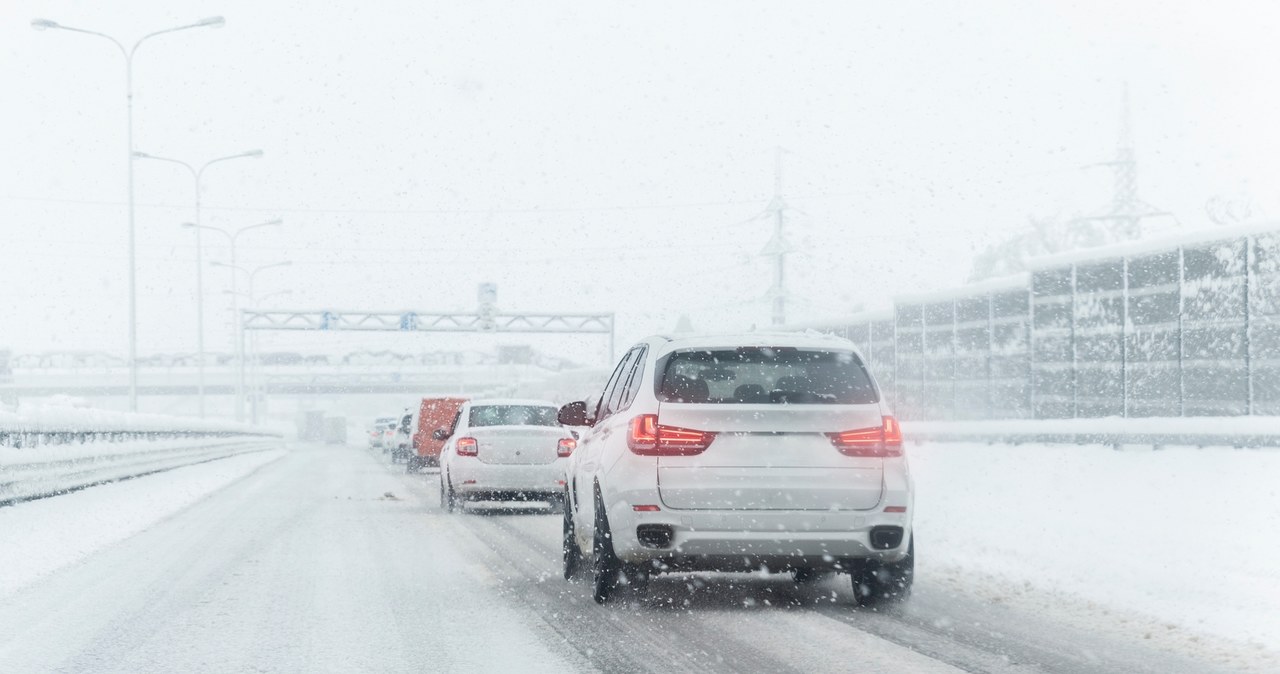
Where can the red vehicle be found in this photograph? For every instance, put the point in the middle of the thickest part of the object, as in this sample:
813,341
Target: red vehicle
433,414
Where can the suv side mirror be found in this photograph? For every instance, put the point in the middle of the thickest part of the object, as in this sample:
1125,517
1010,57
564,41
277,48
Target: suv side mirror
573,414
440,434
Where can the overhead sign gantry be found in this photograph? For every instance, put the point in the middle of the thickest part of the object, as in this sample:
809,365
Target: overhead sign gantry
486,319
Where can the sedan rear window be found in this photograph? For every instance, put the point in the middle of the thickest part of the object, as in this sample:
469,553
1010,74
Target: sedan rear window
766,375
512,415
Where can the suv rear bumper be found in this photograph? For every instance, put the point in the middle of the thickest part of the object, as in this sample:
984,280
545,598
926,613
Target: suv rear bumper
743,540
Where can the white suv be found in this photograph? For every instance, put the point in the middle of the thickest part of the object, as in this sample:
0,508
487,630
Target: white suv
736,453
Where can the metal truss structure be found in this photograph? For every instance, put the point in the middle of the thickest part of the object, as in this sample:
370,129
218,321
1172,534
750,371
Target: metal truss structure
428,321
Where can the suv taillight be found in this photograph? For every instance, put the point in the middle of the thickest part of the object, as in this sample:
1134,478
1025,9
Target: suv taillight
467,447
566,447
646,437
876,441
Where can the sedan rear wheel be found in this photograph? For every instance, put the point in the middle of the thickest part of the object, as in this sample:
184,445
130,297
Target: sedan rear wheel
448,500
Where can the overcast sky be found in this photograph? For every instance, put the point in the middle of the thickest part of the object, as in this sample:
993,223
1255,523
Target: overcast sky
593,156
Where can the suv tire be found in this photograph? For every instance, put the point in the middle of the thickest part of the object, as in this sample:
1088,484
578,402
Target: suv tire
605,566
572,554
876,583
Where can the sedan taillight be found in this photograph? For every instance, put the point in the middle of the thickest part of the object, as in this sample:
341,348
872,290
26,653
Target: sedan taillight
884,440
467,447
566,447
646,437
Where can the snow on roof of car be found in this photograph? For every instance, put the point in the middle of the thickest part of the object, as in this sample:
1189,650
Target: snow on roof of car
512,401
809,338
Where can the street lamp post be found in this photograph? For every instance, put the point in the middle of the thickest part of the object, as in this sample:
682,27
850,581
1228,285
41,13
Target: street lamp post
211,22
196,175
232,237
256,384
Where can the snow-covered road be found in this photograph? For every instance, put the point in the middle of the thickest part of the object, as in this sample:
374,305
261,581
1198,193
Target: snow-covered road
329,559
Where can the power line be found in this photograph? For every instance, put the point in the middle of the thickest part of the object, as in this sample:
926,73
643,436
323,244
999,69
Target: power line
428,211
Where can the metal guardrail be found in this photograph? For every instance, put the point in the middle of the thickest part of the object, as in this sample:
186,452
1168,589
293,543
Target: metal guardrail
49,472
19,439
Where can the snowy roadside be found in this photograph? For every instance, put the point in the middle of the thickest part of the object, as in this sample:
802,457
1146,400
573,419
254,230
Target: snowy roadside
43,536
1239,431
1185,536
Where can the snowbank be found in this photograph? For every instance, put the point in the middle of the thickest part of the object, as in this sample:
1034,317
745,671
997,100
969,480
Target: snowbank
41,537
1256,431
1186,535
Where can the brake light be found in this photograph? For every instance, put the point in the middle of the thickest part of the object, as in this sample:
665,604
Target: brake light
467,447
646,437
566,447
642,434
884,440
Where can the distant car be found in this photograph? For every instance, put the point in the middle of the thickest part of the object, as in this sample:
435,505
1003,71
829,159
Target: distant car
397,441
739,453
503,450
418,441
388,435
377,431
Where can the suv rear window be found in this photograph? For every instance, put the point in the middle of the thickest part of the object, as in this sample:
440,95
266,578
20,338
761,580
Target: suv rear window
512,415
766,375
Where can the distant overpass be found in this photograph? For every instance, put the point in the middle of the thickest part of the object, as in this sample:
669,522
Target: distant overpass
96,374
278,380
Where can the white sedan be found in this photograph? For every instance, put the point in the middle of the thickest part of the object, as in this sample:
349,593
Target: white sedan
503,450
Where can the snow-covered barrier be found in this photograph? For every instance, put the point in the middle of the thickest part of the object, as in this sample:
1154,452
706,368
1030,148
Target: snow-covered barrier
36,472
61,424
50,450
1254,432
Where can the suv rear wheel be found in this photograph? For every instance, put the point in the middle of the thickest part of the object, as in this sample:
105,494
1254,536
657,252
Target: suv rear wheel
572,555
876,582
610,574
605,566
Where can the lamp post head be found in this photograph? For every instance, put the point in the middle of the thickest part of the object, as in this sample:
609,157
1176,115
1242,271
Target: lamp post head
256,154
277,221
140,155
42,24
212,22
